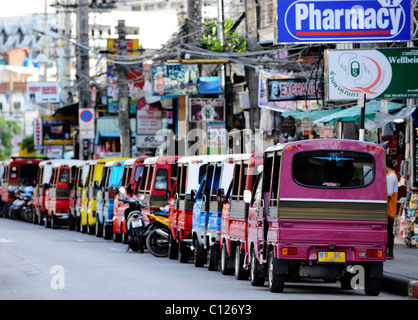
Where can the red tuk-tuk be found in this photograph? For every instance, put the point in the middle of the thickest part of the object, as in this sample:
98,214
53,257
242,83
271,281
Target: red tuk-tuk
319,210
158,180
57,202
16,172
132,174
235,215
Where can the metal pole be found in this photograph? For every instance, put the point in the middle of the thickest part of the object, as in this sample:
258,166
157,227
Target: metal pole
362,105
125,137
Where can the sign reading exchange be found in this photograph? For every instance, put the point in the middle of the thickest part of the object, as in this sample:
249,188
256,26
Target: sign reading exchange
344,20
380,73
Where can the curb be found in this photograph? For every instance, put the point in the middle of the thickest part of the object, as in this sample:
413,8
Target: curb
400,285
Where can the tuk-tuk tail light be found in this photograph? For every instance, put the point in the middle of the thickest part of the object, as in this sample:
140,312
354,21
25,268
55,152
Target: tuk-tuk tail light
375,253
289,251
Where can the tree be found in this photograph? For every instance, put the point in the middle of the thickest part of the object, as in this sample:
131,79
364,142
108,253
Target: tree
233,41
7,130
28,144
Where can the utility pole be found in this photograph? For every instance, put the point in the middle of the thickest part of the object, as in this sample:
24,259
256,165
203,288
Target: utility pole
125,133
86,140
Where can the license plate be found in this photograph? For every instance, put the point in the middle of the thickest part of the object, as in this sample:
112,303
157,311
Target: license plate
136,223
331,256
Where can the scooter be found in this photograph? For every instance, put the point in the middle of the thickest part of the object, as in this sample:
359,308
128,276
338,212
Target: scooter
157,233
22,195
135,224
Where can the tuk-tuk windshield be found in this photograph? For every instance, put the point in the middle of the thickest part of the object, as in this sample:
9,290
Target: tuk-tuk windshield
333,168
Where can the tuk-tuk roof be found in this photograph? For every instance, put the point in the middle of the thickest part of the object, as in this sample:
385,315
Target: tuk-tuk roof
152,160
68,163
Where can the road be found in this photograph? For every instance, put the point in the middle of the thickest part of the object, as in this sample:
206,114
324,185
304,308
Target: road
58,264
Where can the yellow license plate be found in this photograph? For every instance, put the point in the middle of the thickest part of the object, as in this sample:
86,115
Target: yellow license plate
331,256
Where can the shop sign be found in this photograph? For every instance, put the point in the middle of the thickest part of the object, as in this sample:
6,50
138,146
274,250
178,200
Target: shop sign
379,73
293,89
348,20
217,138
148,117
57,131
37,132
203,110
43,92
175,79
263,98
148,141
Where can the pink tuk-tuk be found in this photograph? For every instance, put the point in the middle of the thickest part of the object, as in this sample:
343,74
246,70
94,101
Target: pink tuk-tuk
319,210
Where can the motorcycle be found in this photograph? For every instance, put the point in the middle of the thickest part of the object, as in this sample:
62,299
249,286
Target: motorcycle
19,208
135,224
157,233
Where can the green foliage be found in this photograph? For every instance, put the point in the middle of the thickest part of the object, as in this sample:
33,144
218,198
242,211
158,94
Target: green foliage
233,41
28,144
8,129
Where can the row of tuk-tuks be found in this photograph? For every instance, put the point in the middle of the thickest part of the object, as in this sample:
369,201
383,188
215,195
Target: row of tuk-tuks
312,209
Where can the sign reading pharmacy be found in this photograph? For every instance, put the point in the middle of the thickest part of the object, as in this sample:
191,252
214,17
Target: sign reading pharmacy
380,73
347,20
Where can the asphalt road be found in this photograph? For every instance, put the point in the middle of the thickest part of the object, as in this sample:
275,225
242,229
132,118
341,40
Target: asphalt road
58,264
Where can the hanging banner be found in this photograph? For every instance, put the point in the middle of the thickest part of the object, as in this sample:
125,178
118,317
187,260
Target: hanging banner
263,93
380,73
348,20
175,79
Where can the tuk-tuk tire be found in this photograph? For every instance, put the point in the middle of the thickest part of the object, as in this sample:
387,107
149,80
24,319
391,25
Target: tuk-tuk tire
183,252
257,279
239,271
198,259
227,266
374,279
172,248
213,257
275,279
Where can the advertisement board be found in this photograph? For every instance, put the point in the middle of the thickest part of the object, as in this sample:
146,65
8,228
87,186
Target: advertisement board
202,110
348,20
136,79
379,73
293,89
175,79
148,117
43,92
57,131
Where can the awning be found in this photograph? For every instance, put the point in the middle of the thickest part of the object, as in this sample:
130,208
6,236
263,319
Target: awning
353,113
310,115
382,119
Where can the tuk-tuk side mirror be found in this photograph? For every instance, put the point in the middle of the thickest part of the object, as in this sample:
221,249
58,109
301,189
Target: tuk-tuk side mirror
247,196
167,194
113,189
46,185
220,195
96,184
70,185
129,189
122,193
193,194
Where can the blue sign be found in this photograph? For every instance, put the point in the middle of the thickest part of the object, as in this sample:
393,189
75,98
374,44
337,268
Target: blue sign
345,20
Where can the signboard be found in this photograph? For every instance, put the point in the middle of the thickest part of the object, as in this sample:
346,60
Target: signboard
379,73
135,77
86,119
175,79
57,131
37,132
348,21
217,138
293,89
263,99
202,110
148,117
43,92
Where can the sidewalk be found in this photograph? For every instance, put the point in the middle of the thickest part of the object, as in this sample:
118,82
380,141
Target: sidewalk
401,273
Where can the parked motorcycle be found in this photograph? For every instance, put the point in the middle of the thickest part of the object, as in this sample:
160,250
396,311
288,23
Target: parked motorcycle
157,233
18,210
135,224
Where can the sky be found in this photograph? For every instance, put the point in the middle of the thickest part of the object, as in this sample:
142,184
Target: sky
153,33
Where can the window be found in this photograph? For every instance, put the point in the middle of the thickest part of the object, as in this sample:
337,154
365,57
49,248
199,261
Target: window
161,179
149,178
64,176
333,169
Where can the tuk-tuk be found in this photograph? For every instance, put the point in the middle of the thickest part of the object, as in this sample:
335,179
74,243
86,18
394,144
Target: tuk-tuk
235,215
319,210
